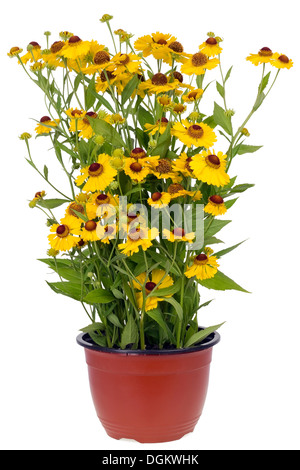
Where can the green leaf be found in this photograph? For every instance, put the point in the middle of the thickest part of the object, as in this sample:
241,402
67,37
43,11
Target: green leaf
114,320
98,296
228,74
264,82
221,282
176,305
259,100
144,117
228,250
201,335
46,172
51,203
69,289
129,89
211,228
93,327
100,340
240,188
90,94
221,119
69,274
156,315
230,202
130,334
107,131
220,89
248,149
163,142
171,290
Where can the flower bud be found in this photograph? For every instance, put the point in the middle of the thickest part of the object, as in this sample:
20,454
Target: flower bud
106,18
245,132
25,136
52,252
99,139
230,112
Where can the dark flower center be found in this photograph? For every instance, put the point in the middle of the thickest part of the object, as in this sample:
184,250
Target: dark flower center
176,47
199,59
213,161
211,41
159,79
90,225
149,286
195,131
216,199
101,57
156,196
138,152
62,231
95,169
57,46
178,232
283,58
136,167
265,52
74,40
45,119
102,199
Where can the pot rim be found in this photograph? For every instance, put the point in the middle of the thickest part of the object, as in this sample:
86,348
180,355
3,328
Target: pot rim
84,340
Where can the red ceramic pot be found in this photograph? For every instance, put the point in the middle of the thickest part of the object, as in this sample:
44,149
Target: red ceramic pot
148,396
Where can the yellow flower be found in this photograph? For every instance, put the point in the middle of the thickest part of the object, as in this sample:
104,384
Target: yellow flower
204,266
198,63
46,125
121,63
159,83
106,232
139,154
193,95
74,207
53,56
210,168
263,56
137,170
83,124
178,108
138,237
75,48
159,280
182,165
159,200
163,169
62,238
14,51
98,59
106,80
160,126
200,135
34,53
98,175
281,61
151,44
210,47
215,205
88,231
164,100
178,234
76,116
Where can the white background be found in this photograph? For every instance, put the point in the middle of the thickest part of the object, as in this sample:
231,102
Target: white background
253,399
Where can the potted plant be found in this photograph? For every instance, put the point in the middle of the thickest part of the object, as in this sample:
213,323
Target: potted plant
131,234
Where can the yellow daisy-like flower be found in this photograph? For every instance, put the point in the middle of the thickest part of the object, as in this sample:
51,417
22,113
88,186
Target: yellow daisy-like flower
46,125
84,125
159,83
75,48
160,126
34,54
98,175
14,51
159,280
193,95
99,59
62,238
53,57
281,61
106,232
215,205
137,170
121,63
210,168
204,266
106,80
76,116
72,209
137,238
159,200
198,63
263,56
139,154
151,44
182,165
178,108
199,135
178,234
163,169
210,47
176,190
164,100
88,231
